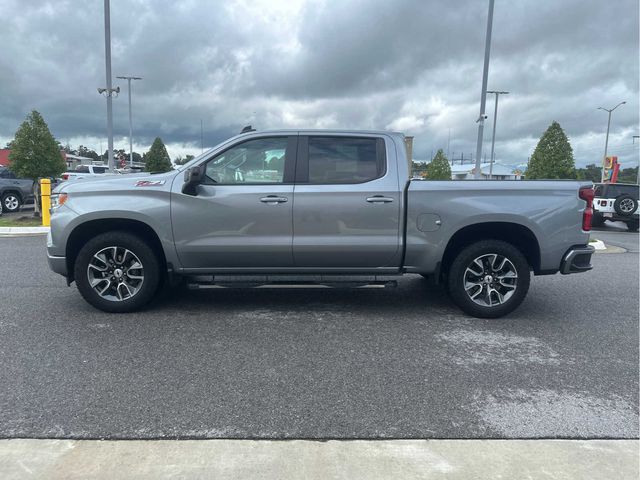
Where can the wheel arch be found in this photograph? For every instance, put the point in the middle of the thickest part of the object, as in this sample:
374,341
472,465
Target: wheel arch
516,234
14,191
87,230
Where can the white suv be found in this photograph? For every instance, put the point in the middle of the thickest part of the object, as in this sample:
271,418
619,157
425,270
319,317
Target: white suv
617,202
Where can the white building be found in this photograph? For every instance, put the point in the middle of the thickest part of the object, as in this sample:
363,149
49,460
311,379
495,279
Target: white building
499,172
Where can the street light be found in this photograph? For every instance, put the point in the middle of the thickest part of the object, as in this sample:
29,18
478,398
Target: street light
128,79
483,96
493,139
108,90
606,142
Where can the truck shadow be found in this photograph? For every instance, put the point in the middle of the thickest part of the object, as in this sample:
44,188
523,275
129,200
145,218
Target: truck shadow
412,295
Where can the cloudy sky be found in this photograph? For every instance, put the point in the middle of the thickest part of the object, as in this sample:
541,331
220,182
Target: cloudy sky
408,65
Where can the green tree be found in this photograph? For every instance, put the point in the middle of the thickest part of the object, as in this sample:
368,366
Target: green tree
157,159
34,151
590,172
627,175
182,160
552,157
439,168
87,152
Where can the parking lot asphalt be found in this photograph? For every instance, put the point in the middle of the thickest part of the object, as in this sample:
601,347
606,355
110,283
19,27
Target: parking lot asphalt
318,363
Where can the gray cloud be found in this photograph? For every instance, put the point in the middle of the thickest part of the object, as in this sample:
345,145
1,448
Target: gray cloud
408,65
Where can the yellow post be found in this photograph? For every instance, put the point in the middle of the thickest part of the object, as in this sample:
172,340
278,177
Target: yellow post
45,193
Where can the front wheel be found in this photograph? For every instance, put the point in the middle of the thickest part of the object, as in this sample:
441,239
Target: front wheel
117,272
489,279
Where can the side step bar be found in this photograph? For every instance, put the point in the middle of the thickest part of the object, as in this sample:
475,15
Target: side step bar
195,282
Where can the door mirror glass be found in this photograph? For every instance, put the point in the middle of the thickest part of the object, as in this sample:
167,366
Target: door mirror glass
192,178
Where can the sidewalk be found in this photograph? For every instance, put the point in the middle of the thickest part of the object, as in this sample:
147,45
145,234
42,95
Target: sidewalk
335,459
20,231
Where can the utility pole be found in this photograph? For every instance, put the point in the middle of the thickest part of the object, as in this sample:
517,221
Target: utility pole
128,79
493,138
109,90
606,141
638,172
201,137
483,96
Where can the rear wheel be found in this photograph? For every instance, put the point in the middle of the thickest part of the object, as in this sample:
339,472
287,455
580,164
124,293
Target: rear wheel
11,202
117,272
489,279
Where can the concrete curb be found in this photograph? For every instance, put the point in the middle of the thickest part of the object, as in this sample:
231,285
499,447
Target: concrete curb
23,231
314,460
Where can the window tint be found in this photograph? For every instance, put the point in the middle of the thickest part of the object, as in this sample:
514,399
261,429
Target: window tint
255,161
613,190
6,173
82,169
345,160
99,169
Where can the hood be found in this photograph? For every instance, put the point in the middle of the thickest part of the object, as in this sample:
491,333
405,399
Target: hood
98,183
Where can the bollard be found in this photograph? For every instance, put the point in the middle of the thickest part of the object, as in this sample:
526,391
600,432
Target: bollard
45,194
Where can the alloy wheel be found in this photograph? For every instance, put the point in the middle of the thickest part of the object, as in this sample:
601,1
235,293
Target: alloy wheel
490,280
11,203
115,273
626,205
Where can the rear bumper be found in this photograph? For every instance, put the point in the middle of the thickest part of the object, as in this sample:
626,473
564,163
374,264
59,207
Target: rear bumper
577,260
58,264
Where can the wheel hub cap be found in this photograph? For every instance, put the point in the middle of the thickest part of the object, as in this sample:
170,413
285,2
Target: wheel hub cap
115,273
490,280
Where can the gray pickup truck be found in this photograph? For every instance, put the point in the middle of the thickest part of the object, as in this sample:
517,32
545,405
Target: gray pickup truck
324,207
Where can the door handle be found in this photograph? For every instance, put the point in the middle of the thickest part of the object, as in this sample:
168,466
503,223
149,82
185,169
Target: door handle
379,199
274,199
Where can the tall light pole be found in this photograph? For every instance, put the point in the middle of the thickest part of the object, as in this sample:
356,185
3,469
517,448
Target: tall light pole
638,172
483,96
128,79
493,138
606,141
109,90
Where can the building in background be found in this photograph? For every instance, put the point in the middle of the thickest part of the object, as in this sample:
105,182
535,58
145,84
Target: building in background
500,172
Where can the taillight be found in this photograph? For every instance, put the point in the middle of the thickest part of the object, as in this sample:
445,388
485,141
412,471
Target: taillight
65,176
587,194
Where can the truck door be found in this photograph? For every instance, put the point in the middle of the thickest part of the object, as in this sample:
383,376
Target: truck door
346,212
241,215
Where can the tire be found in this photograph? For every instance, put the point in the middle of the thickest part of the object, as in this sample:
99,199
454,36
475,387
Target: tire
505,294
11,202
127,288
633,225
625,205
597,220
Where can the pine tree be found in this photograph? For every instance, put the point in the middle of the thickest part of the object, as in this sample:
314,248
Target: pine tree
157,159
34,151
552,157
439,168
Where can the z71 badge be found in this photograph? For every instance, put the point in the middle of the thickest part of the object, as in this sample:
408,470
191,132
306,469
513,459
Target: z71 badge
149,183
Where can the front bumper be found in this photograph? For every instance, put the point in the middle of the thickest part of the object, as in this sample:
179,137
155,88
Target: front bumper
577,260
57,264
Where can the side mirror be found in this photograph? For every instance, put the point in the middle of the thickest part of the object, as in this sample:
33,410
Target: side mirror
192,178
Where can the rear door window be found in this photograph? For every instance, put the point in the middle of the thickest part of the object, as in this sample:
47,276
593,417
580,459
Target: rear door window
344,160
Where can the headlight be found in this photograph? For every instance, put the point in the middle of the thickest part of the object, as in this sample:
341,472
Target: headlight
58,200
